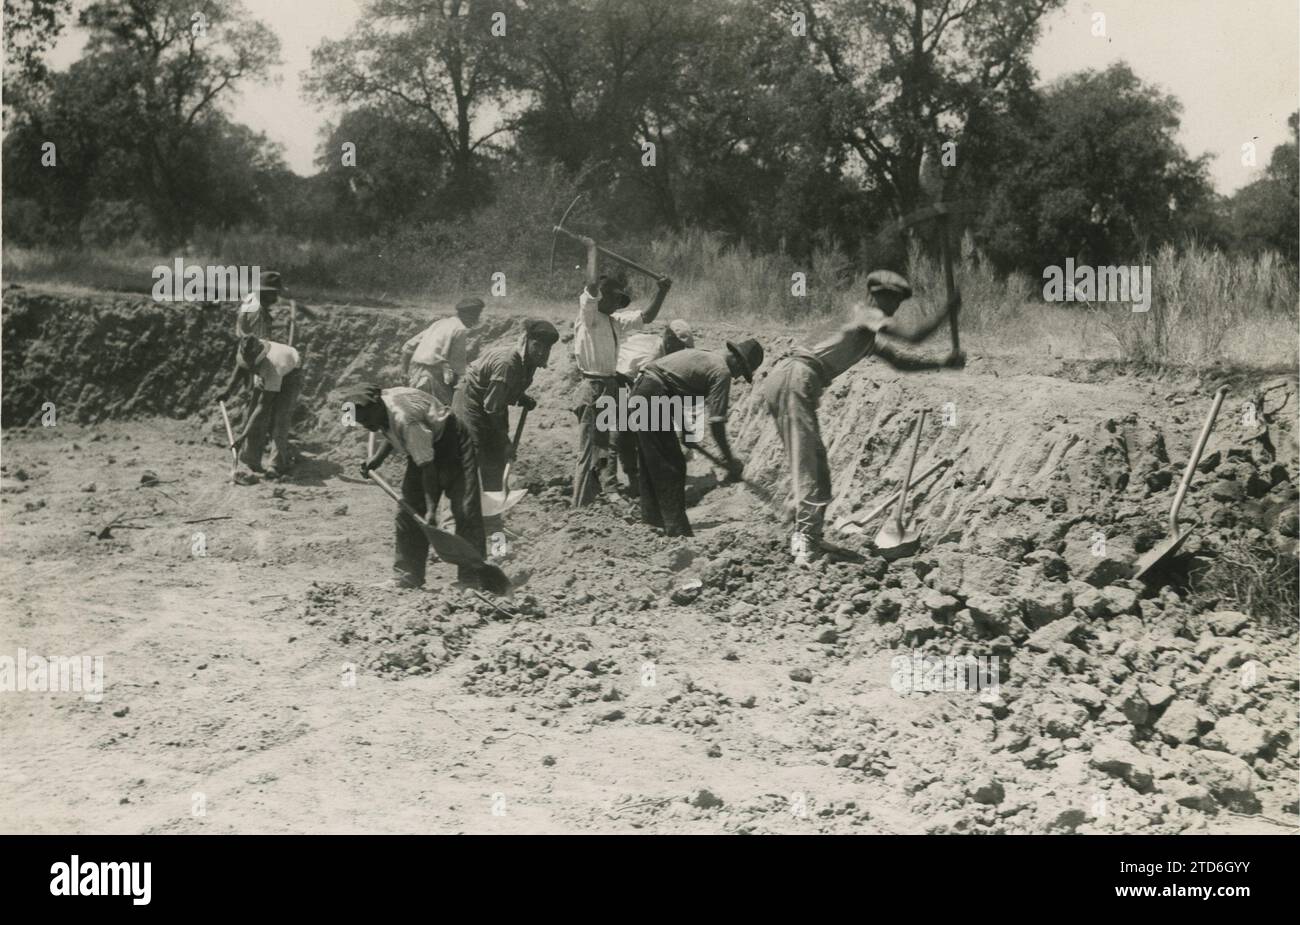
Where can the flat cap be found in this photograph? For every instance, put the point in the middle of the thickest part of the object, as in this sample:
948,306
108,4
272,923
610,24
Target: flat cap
469,306
682,331
542,330
888,281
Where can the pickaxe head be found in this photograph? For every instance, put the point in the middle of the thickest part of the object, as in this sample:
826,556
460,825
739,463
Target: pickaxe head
559,226
939,211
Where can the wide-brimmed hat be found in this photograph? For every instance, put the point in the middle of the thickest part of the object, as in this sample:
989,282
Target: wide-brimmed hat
750,354
888,281
269,281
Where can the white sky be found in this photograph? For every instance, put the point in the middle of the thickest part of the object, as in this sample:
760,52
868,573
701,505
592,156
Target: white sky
1234,64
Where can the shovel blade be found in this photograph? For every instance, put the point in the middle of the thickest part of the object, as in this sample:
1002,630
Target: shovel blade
891,544
1158,553
496,503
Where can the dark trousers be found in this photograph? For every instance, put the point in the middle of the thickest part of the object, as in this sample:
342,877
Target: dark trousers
626,444
453,473
272,415
490,438
662,470
491,448
593,443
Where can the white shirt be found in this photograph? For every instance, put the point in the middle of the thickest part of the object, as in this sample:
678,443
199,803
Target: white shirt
637,351
596,337
280,360
442,345
415,422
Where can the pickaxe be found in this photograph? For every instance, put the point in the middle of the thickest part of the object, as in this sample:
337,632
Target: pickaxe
941,213
559,229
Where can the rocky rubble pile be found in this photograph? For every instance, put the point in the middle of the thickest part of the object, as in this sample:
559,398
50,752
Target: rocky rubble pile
558,670
395,633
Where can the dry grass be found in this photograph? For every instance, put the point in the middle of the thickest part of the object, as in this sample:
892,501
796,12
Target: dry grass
1208,308
1254,578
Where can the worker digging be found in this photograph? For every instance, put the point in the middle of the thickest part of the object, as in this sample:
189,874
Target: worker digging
440,462
793,390
435,360
497,380
274,372
603,321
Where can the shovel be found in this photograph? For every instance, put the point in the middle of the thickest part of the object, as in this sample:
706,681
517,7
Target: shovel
230,436
853,522
1166,547
895,539
496,503
450,547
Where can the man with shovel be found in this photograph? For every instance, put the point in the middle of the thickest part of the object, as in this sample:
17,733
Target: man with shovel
500,378
603,322
439,461
687,374
793,390
276,372
435,360
635,354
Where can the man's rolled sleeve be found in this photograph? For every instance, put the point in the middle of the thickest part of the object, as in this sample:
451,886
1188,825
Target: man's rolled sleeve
719,399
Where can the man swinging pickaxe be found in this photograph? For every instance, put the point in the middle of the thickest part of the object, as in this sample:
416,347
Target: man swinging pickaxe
602,326
941,214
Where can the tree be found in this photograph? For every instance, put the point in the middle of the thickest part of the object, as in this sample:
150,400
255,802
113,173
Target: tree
169,63
1265,214
137,118
1098,176
31,29
394,173
905,75
436,63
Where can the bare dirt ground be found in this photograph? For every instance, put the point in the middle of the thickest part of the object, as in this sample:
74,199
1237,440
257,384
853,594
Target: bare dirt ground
632,682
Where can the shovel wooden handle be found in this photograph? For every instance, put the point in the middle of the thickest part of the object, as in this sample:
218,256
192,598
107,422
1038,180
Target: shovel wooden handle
860,519
519,431
911,464
230,434
1195,459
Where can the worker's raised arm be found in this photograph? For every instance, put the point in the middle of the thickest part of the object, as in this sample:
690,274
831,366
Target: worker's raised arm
652,310
593,265
915,330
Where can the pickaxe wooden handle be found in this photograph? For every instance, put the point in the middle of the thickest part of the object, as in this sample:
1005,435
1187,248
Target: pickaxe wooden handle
949,284
617,258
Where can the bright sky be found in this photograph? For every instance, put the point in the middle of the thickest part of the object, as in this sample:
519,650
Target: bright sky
1234,64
